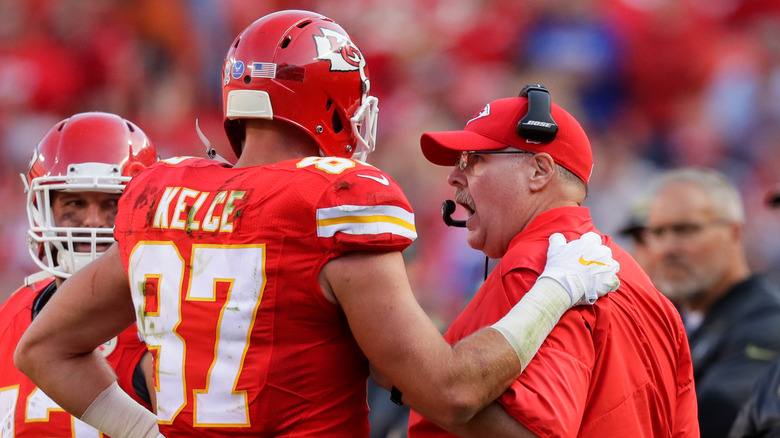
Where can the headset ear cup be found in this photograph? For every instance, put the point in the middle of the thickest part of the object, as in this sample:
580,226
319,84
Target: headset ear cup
538,124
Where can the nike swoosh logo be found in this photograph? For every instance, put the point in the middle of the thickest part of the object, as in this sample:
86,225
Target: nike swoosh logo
381,180
590,262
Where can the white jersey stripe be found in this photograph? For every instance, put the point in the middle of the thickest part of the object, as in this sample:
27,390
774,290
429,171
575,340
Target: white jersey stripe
365,219
365,210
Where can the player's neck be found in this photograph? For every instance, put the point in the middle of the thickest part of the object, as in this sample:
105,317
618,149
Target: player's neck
268,143
261,156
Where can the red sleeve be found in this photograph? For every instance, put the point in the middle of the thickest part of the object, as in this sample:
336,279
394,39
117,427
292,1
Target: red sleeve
687,411
364,210
549,397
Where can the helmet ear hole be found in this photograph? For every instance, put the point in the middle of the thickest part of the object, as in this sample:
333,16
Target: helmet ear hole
338,125
335,119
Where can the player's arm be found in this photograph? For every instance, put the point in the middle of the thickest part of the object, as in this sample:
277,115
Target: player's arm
58,351
450,384
491,422
441,382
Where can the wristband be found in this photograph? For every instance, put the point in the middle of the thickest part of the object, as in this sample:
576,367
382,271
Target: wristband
528,323
114,413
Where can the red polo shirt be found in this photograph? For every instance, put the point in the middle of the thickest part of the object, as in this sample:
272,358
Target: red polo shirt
619,368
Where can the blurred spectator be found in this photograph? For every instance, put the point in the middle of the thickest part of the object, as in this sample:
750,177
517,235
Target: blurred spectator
760,415
634,231
694,239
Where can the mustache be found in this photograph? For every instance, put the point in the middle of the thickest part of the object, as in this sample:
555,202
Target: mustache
464,198
674,260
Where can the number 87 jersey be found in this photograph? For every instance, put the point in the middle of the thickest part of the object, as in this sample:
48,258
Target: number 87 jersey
223,265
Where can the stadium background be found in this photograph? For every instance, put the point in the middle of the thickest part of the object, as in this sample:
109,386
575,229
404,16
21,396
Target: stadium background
656,84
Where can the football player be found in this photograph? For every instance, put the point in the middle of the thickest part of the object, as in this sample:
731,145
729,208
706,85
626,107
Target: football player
75,178
266,287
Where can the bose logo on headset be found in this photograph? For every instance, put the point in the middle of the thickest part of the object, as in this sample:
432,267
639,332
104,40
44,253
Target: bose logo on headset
538,123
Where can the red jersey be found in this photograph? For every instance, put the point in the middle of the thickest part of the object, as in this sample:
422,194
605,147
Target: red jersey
224,264
619,368
25,410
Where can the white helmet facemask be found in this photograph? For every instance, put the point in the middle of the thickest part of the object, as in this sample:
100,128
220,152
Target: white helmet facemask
364,127
57,244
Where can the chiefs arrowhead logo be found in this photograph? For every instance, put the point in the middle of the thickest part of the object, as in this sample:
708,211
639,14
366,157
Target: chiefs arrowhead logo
340,51
484,113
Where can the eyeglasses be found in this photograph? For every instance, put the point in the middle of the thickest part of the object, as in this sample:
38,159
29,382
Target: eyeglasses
681,230
463,161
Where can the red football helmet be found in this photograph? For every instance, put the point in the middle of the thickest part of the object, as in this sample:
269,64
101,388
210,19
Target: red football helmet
304,69
90,152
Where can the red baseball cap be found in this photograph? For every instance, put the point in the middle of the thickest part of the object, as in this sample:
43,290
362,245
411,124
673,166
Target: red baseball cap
495,128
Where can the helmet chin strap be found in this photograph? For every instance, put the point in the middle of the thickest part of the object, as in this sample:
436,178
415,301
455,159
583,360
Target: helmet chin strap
210,151
70,262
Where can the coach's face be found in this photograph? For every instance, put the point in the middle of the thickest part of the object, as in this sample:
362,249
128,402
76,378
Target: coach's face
689,246
492,187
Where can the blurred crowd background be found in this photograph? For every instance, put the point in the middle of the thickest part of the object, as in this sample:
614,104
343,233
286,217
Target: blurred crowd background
655,83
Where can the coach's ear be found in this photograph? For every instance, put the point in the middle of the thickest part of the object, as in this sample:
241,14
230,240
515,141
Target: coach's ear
543,171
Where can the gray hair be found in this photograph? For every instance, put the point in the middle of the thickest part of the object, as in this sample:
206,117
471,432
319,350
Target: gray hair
570,178
721,192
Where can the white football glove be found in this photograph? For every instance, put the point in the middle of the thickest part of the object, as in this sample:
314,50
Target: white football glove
584,267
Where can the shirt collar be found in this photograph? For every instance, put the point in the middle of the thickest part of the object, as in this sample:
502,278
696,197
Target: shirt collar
566,220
